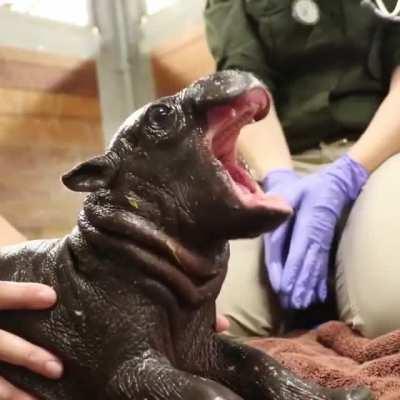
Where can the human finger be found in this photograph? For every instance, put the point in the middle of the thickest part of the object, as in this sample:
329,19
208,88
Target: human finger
307,278
17,351
323,284
222,323
10,392
21,295
296,255
317,276
275,244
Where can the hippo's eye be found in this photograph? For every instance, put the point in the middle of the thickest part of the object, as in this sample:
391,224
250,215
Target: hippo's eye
161,117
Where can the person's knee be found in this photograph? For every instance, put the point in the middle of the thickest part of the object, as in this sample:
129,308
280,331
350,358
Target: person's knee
369,313
368,266
381,320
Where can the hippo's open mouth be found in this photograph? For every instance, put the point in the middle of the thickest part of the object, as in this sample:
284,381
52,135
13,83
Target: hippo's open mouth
224,125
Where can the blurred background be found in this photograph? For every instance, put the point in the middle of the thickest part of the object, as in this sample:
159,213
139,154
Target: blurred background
70,72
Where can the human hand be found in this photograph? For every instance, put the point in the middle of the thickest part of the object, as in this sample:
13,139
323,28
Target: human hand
221,324
15,350
297,252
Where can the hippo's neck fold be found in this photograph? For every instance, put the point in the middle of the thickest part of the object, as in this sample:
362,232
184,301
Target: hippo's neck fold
193,275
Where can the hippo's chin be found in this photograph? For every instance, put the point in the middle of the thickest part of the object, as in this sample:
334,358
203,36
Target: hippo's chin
224,124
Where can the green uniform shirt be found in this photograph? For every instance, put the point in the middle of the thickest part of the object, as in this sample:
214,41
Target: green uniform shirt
327,79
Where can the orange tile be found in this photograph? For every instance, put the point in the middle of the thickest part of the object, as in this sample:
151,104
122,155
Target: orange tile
80,106
10,101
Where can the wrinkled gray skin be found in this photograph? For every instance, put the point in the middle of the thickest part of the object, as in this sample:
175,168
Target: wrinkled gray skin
137,278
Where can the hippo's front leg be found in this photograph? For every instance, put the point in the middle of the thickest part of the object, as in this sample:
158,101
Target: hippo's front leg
256,376
150,376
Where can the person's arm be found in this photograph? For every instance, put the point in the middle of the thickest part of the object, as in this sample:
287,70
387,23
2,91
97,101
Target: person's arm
264,146
8,234
381,139
300,274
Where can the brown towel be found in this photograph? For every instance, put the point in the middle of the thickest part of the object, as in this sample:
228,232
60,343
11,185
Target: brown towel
335,356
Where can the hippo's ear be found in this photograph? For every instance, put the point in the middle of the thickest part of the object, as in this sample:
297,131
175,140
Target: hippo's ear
91,175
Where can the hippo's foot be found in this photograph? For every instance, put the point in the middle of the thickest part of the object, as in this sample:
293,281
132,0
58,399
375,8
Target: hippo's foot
205,389
151,377
255,375
283,385
294,388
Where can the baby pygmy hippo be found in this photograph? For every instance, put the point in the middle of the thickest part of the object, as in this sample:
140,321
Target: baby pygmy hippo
138,277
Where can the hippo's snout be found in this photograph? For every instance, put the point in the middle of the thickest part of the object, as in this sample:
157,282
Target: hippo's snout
228,101
226,86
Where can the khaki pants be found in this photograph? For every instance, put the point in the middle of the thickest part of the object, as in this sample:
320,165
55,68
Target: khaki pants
367,260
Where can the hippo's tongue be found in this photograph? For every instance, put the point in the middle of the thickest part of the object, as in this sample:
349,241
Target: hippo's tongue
225,122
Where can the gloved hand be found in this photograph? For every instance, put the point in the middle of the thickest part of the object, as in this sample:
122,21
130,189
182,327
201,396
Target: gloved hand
297,252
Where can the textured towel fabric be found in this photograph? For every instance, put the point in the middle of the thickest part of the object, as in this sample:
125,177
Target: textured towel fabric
335,356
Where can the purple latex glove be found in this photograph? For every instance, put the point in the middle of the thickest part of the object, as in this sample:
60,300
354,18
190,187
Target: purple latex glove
297,252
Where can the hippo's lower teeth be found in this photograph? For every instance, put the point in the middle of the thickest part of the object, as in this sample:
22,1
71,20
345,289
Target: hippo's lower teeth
245,165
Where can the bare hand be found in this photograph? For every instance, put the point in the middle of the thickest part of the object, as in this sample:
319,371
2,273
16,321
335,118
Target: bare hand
222,323
17,351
